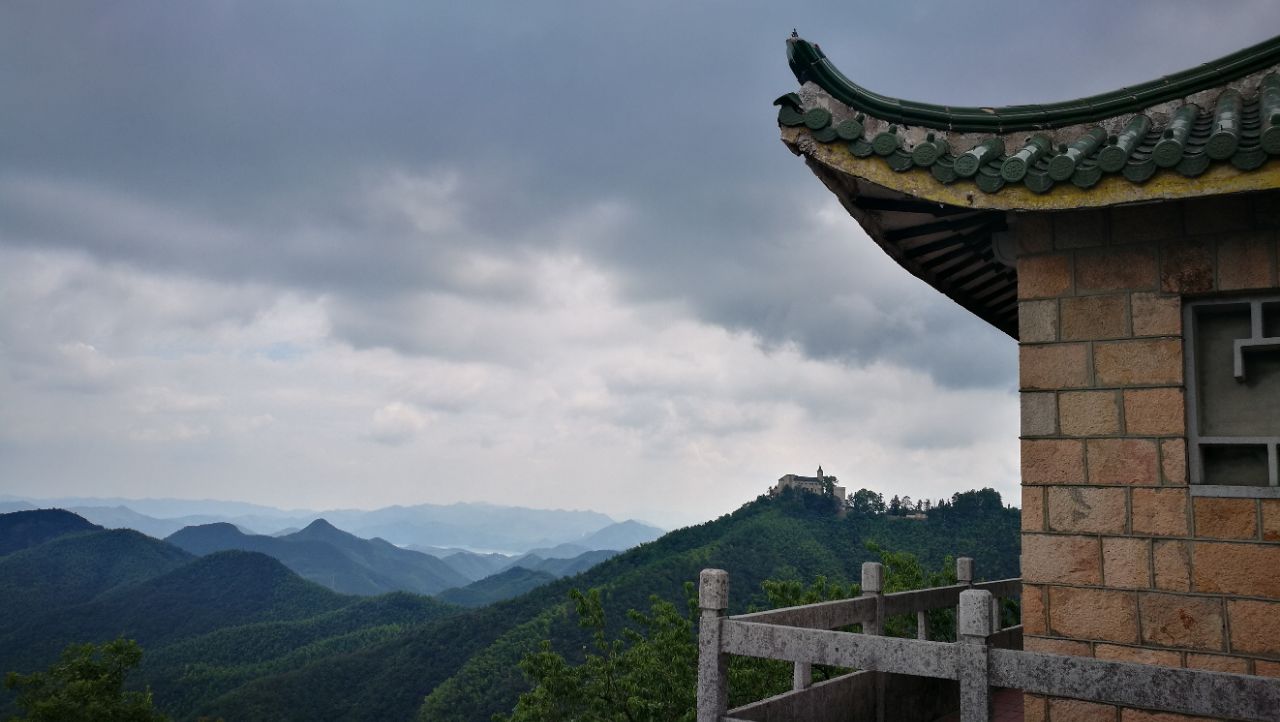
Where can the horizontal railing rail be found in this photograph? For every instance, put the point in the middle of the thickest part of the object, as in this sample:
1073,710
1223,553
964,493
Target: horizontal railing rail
808,635
1146,686
839,649
823,615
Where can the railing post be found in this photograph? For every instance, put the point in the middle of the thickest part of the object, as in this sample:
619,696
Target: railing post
973,625
713,665
802,676
964,571
873,586
922,625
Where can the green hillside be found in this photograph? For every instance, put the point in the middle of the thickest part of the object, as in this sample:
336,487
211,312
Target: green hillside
329,556
220,590
196,671
465,667
73,569
503,585
238,635
22,529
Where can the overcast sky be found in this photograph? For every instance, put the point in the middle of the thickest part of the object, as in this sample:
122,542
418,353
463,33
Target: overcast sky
320,254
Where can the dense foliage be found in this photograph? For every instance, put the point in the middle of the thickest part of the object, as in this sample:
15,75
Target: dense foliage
85,685
503,585
792,536
22,529
237,635
649,673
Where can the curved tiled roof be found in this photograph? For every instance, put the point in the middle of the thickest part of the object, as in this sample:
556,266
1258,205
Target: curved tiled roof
945,190
809,64
1223,112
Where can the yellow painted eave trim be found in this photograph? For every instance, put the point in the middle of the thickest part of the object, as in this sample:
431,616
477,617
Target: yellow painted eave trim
1113,189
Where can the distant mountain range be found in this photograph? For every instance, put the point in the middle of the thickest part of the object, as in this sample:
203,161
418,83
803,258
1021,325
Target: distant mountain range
331,557
474,527
238,635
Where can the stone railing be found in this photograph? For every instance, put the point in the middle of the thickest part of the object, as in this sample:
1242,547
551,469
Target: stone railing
906,679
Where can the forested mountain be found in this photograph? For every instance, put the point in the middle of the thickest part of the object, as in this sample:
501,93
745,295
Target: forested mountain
22,529
331,557
620,536
495,588
208,624
558,567
76,568
237,635
466,667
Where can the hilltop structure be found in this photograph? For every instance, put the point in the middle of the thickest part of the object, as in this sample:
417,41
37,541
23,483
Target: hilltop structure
813,484
1128,242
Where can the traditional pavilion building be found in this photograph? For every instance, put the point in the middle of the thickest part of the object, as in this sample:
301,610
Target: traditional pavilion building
1128,242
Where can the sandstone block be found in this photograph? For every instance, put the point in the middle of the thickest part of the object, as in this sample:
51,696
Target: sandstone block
1126,563
1054,366
1217,518
1091,511
1137,715
1044,276
1266,668
1175,620
1255,626
1033,708
1033,508
1246,261
1156,315
1148,222
1121,268
1122,461
1034,232
1079,229
1159,512
1039,413
1218,663
1074,710
1271,519
1086,318
1141,362
1154,412
1069,647
1236,569
1089,413
1138,655
1173,461
1094,614
1060,559
1186,267
1217,214
1037,321
1052,461
1034,620
1171,566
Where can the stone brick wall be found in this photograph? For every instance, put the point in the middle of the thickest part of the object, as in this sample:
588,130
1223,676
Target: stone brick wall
1119,560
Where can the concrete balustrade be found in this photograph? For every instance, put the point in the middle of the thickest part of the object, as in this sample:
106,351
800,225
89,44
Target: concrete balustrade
984,656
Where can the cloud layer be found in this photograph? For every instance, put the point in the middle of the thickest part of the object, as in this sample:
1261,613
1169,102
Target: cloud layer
550,255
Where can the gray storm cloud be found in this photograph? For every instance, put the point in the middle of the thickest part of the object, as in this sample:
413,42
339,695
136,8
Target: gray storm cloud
536,239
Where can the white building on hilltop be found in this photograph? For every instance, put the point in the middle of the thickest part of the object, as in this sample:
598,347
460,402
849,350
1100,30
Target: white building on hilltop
812,484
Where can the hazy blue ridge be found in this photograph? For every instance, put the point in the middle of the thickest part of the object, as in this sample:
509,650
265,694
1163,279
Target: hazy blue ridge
503,585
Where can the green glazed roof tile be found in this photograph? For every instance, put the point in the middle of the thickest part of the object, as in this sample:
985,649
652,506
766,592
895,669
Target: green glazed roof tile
809,64
1235,128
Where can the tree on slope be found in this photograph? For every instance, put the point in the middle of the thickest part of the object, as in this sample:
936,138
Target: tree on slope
85,685
650,673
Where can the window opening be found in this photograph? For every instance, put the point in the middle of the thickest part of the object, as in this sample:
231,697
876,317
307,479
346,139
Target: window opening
1232,355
